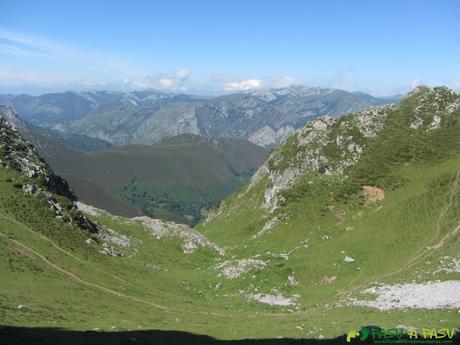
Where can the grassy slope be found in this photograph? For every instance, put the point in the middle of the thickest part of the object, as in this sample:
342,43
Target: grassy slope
382,237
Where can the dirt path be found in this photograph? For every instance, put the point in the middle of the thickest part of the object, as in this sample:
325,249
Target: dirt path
44,238
25,250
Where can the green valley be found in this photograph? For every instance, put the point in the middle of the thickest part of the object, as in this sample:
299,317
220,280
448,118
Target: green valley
178,179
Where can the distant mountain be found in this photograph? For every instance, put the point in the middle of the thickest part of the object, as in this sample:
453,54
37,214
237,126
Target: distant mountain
76,141
265,117
32,133
55,109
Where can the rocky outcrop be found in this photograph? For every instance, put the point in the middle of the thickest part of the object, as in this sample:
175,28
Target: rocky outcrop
267,136
191,239
234,269
428,295
327,145
19,155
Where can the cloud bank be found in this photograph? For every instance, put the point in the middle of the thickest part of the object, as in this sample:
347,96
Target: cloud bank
174,81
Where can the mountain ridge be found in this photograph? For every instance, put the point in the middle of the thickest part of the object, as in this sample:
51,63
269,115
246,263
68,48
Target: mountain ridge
266,116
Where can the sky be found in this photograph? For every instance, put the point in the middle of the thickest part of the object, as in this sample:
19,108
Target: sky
210,47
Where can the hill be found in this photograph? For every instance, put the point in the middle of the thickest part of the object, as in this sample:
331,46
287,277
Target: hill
360,211
48,146
265,117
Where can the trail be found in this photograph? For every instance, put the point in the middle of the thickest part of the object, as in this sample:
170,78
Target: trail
99,287
43,237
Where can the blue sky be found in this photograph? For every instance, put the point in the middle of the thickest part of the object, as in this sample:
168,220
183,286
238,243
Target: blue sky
380,47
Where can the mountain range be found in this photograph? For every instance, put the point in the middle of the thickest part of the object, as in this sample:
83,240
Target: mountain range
265,117
350,216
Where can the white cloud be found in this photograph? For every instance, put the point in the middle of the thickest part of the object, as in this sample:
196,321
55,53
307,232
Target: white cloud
31,45
284,81
94,83
236,84
166,83
416,82
455,84
170,81
182,74
244,85
142,84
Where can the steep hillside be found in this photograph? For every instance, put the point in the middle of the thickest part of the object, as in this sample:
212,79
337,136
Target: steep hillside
47,146
26,172
59,268
139,124
265,117
74,141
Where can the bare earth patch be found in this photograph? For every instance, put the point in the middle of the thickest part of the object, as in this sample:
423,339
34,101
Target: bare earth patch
429,295
373,194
